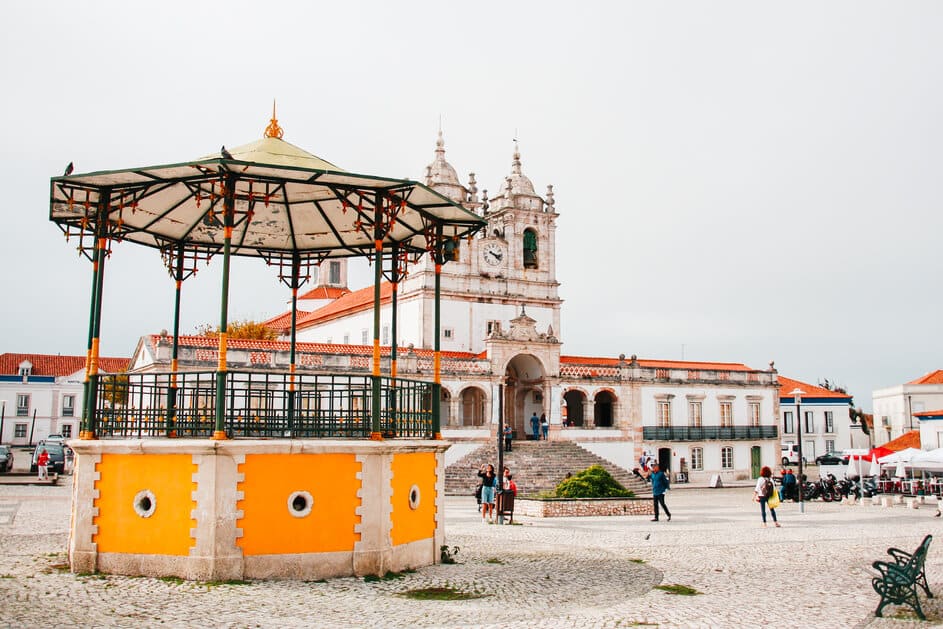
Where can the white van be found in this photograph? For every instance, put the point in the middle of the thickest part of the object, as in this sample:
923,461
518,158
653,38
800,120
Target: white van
790,454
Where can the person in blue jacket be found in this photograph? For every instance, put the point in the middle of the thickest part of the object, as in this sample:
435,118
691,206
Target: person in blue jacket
659,487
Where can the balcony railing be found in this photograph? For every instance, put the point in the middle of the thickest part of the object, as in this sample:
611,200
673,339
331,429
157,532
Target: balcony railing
708,433
261,405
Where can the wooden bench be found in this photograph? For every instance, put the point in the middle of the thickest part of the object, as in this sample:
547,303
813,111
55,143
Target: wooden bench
899,579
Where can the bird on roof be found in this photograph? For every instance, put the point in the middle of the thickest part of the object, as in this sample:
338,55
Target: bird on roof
68,169
226,154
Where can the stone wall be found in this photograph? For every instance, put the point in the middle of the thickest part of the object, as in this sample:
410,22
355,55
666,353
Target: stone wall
554,508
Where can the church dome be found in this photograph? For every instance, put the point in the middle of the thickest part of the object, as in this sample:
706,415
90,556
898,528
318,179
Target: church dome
518,182
441,176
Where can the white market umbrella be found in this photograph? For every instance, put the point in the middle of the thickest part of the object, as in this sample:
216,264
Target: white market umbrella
875,467
901,471
906,455
852,470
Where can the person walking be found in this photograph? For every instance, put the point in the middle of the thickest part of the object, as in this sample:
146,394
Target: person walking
535,426
660,485
488,482
508,435
544,426
42,464
763,490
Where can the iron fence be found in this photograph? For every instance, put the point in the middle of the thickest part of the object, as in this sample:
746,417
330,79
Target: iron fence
262,405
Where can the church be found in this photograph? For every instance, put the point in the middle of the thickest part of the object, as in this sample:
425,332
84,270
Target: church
501,342
502,337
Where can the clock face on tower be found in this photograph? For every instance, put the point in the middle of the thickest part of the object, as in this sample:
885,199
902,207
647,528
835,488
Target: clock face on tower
493,254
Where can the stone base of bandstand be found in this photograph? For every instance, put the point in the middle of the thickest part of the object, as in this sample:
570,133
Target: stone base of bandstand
267,509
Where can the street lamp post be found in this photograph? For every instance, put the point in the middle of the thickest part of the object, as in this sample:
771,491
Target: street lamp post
797,394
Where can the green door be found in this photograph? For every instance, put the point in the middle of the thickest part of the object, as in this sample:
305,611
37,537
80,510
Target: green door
755,461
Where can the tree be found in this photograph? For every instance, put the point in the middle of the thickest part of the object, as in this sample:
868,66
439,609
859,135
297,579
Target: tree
114,387
245,329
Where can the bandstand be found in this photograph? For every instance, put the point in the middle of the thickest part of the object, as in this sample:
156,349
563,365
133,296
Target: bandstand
292,471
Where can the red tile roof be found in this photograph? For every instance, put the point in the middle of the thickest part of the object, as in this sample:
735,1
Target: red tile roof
934,377
210,342
937,413
348,303
55,365
788,385
907,440
324,292
656,364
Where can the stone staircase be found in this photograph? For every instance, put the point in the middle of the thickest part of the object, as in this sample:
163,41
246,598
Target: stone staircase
536,466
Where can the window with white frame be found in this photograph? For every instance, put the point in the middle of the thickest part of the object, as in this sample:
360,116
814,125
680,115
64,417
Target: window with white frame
754,413
829,445
697,459
809,422
726,458
67,430
726,414
664,414
788,425
68,405
447,333
492,327
694,413
386,335
19,431
334,273
346,338
829,422
22,404
364,336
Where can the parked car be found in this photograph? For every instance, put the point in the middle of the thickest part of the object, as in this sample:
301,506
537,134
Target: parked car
6,459
57,457
832,458
790,453
53,438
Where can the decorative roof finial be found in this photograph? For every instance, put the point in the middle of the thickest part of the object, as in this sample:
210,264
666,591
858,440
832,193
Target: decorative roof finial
516,163
273,130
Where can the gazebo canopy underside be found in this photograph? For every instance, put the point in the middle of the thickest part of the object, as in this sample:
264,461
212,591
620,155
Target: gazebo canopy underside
285,202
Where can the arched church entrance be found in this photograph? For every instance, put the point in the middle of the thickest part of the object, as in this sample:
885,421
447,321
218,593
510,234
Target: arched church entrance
575,400
523,393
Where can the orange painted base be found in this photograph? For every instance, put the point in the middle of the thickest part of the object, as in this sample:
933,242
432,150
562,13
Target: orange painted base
87,435
376,436
219,435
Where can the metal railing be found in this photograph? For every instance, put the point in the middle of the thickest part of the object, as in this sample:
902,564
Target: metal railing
708,433
261,405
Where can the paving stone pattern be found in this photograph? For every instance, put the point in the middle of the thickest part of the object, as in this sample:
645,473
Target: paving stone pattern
565,572
536,465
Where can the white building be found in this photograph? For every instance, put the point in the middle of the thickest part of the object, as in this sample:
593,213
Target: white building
896,408
42,394
823,419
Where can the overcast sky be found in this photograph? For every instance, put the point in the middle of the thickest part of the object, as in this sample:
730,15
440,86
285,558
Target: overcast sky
736,181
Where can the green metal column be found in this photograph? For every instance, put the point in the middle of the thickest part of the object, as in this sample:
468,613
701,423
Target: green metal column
295,280
437,357
172,391
91,371
375,431
85,432
394,280
229,209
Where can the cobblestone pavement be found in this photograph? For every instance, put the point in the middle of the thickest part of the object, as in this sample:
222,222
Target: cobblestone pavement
567,572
